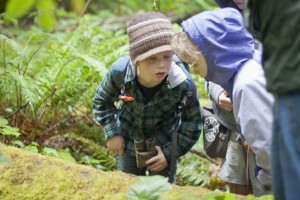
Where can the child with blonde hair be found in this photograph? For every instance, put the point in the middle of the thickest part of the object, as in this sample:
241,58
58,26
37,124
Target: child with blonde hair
221,50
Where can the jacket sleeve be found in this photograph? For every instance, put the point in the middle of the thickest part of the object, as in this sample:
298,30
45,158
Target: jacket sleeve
104,108
253,113
214,91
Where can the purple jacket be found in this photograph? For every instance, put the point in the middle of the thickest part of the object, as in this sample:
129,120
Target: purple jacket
223,41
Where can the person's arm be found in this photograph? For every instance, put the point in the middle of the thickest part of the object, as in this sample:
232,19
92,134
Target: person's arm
105,112
253,114
104,108
214,91
219,96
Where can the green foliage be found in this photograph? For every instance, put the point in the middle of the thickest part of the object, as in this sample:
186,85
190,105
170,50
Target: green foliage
78,6
45,17
43,11
92,154
50,80
56,75
63,154
14,9
224,196
193,170
180,8
265,197
199,81
148,188
5,129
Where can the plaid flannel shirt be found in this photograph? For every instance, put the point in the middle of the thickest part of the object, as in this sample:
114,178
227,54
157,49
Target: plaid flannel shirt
155,119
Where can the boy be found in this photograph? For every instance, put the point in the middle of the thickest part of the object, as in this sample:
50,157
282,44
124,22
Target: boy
222,51
155,87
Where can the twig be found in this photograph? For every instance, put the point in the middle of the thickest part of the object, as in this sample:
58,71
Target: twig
47,106
202,155
3,50
84,115
23,106
59,123
34,53
81,14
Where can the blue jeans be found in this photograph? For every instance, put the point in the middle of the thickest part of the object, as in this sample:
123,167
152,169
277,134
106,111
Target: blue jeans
285,156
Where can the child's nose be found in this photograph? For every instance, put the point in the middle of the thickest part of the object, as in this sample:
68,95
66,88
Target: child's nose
162,63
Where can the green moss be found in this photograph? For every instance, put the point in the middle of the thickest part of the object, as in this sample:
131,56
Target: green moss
34,176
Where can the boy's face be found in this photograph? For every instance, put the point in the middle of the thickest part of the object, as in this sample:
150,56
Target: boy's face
154,69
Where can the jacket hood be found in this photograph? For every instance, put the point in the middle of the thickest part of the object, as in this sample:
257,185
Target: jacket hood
227,3
223,41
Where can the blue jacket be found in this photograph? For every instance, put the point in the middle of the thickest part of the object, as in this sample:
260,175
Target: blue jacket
223,41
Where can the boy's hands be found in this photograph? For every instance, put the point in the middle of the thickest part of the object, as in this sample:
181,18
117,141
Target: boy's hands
158,162
225,102
116,145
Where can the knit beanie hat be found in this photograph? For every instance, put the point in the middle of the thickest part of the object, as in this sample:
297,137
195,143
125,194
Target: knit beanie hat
149,33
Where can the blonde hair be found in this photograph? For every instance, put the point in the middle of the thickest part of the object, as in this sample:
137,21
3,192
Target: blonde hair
185,49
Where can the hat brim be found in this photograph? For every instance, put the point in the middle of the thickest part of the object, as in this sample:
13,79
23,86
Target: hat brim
152,52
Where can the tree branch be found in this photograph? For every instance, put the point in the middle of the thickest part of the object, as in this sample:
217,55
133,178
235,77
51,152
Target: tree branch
202,155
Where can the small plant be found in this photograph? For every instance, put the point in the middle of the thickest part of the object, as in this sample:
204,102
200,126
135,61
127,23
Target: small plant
148,188
5,129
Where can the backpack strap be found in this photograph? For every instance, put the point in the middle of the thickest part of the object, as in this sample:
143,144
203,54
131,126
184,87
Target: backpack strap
178,112
185,69
182,103
119,69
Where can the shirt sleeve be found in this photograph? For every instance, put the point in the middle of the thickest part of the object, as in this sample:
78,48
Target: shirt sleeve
104,108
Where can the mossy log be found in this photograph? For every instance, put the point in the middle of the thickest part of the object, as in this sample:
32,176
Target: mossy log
34,176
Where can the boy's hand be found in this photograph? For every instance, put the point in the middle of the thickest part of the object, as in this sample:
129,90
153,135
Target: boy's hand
225,102
158,162
116,145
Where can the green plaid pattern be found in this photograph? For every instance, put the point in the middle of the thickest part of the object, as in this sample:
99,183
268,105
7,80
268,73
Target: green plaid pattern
155,118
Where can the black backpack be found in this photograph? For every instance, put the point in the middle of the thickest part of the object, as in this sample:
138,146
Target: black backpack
215,135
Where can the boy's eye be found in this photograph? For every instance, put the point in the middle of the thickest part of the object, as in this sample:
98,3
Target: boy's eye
151,58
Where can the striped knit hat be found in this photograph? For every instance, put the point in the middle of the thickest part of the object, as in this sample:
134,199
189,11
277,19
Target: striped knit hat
149,33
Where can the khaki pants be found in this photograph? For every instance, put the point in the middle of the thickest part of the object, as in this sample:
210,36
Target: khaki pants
238,170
